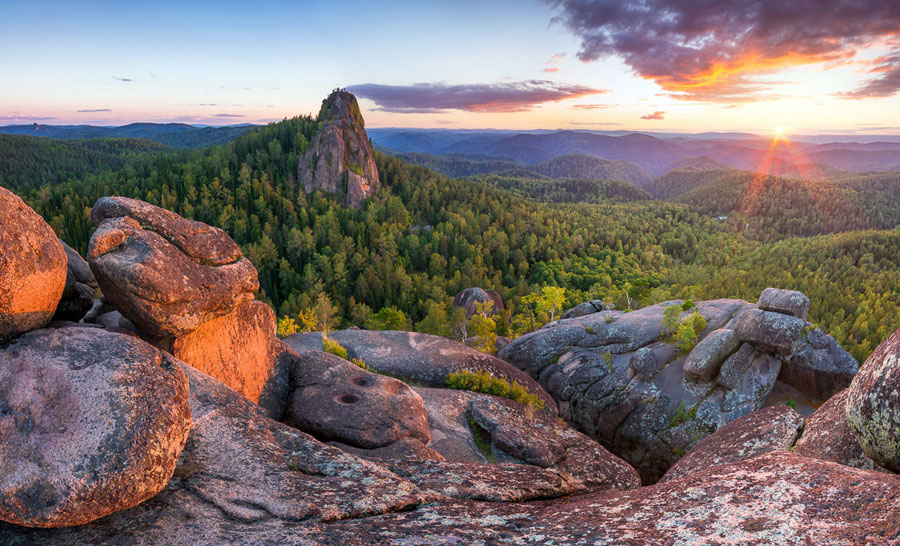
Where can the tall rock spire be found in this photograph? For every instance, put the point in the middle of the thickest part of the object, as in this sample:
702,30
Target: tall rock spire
340,158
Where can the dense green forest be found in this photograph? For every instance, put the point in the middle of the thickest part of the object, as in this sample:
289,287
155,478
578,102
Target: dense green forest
27,162
424,237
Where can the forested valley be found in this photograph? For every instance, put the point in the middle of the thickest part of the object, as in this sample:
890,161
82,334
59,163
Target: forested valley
398,262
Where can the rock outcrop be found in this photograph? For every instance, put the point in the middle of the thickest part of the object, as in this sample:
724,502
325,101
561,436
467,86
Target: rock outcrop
336,400
340,158
774,428
469,298
827,436
187,289
587,308
32,268
81,286
620,378
873,404
91,423
421,359
166,286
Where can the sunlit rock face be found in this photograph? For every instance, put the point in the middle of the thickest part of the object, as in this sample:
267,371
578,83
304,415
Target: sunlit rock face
340,158
32,268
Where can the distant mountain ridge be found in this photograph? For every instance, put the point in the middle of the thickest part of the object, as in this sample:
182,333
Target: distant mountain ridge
176,135
654,153
572,166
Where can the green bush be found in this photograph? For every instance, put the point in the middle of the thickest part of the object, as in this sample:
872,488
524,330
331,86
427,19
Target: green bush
689,330
687,305
485,383
335,348
671,316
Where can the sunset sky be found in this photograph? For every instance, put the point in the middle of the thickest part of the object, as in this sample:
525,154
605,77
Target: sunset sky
813,66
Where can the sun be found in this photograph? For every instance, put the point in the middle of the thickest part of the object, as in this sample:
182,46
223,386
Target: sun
779,132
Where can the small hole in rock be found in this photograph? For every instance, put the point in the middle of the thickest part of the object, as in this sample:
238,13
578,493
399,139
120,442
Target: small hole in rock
362,381
348,399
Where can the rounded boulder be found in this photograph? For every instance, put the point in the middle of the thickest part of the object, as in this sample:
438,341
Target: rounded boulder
336,400
32,268
92,423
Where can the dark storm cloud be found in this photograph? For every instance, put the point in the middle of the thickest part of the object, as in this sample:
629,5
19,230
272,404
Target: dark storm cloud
425,98
710,50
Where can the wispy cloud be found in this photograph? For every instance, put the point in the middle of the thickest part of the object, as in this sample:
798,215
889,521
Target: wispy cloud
659,114
427,98
126,80
714,51
17,116
93,110
593,106
552,64
230,115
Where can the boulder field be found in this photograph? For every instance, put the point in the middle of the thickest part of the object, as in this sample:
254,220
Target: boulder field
171,413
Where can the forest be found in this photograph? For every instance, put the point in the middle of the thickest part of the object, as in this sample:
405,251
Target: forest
424,237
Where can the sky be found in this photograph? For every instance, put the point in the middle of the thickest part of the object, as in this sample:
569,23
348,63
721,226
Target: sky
810,66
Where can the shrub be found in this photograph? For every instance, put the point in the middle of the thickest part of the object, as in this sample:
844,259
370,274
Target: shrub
683,414
485,383
689,330
333,347
287,326
687,305
359,362
671,316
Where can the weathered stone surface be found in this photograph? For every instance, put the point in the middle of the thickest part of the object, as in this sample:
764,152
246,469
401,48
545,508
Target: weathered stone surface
788,302
873,404
32,268
241,350
242,479
336,400
587,308
774,499
827,436
770,331
620,379
519,435
420,358
205,244
707,357
448,412
774,428
91,423
340,158
819,367
160,288
500,482
515,432
78,294
470,297
405,449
